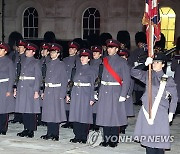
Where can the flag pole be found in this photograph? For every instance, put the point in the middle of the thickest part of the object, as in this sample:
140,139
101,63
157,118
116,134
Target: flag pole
150,48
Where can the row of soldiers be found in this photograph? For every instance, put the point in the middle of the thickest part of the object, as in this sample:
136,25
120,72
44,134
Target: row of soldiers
55,78
113,99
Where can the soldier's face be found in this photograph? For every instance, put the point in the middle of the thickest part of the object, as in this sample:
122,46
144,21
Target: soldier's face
72,51
112,50
157,66
96,55
84,60
44,52
21,49
2,52
54,54
29,53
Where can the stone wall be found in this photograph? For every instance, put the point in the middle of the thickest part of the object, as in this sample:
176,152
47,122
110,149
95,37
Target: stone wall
64,17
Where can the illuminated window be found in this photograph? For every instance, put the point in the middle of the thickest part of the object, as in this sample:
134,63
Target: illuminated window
168,18
91,22
30,23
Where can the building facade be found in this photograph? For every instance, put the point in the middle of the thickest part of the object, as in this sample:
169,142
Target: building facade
70,19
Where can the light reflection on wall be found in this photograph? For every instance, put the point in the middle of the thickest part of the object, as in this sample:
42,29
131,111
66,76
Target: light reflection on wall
168,18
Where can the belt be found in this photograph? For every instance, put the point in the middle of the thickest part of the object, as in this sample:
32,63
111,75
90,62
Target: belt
110,83
4,80
26,78
79,84
52,85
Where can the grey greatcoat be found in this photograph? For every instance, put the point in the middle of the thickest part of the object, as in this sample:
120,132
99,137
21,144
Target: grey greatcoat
95,66
129,104
80,108
111,112
7,104
70,62
53,109
161,122
175,66
25,102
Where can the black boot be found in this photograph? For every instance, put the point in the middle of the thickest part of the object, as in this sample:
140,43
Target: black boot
30,134
75,140
23,133
113,144
104,144
66,125
3,133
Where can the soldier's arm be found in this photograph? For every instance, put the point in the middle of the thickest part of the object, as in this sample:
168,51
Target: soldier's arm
38,77
64,80
139,74
126,79
173,92
11,76
93,78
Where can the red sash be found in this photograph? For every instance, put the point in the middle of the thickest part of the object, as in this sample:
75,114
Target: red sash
111,71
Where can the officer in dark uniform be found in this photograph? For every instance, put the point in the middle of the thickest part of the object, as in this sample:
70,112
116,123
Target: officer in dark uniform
162,109
82,98
18,59
138,56
27,99
53,111
114,88
72,63
96,64
7,75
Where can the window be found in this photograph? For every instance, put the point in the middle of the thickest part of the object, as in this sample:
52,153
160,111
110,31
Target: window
168,18
30,23
91,22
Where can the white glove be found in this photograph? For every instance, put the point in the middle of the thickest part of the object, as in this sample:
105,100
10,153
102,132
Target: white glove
122,99
128,96
170,116
96,97
149,60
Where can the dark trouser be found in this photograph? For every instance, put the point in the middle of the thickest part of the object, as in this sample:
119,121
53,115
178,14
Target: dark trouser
39,116
81,130
52,128
30,121
4,122
111,134
18,117
178,108
94,118
154,151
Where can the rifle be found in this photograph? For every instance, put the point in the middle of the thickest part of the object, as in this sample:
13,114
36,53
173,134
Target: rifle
168,52
71,83
18,72
44,68
97,83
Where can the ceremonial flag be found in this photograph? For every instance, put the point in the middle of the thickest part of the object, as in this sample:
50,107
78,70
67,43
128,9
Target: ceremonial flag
152,18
